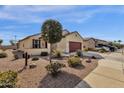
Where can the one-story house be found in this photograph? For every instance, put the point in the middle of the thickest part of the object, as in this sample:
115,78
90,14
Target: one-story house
89,43
92,42
99,42
34,44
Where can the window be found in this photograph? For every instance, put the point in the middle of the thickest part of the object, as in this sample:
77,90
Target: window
36,43
45,44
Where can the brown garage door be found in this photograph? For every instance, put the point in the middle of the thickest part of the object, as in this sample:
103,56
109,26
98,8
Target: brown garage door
74,46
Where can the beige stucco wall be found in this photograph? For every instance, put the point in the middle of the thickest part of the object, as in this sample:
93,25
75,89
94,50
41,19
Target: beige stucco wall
27,43
89,44
26,46
63,45
35,51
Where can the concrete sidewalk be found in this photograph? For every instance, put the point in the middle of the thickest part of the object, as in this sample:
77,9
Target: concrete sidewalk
109,73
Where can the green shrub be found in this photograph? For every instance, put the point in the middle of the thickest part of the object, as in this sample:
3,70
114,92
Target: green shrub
16,56
79,53
89,49
102,50
54,68
93,57
4,49
44,53
74,61
35,59
8,79
57,54
86,49
3,55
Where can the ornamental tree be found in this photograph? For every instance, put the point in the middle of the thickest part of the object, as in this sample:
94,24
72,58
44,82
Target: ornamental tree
51,32
1,41
12,42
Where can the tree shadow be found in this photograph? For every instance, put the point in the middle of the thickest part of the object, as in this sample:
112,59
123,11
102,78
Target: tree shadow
44,58
63,80
83,84
21,70
79,67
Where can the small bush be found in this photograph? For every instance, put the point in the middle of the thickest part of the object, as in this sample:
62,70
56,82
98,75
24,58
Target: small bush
74,61
57,54
89,49
33,65
4,49
93,57
16,57
102,50
35,59
44,53
3,55
54,68
8,79
79,53
86,49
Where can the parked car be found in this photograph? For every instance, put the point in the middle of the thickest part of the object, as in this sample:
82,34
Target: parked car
106,47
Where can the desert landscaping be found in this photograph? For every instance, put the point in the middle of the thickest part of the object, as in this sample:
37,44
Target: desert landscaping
39,77
109,71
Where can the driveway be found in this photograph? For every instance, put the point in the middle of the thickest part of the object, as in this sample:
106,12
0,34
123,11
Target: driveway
109,73
89,54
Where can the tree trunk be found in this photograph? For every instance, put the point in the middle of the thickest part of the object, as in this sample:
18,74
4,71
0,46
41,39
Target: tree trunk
26,59
50,53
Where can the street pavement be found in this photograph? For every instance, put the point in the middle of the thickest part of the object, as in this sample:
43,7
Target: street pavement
109,73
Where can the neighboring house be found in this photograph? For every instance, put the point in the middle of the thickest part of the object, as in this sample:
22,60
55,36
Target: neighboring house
34,44
89,43
8,47
0,47
99,42
93,43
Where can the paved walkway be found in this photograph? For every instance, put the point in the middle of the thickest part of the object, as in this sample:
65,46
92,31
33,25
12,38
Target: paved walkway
109,73
82,84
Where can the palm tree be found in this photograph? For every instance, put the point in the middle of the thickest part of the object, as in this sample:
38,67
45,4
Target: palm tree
115,41
51,32
119,41
12,42
1,41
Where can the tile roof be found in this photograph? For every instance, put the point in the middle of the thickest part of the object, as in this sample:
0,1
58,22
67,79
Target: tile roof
65,33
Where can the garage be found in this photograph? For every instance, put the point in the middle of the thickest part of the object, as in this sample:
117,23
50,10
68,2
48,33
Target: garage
74,46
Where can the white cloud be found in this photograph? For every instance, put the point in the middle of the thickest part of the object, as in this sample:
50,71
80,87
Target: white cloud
29,14
9,35
4,15
35,14
49,8
13,27
85,15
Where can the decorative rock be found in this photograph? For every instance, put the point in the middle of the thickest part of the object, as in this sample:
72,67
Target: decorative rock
33,65
89,60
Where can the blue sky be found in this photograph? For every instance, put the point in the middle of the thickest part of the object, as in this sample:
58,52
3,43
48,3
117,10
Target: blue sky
102,22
